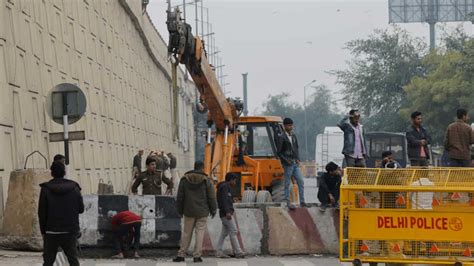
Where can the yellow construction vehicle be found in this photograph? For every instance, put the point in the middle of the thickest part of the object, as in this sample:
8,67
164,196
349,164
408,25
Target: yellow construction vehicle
242,145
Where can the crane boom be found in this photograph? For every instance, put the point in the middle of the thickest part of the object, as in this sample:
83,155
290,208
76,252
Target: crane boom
189,50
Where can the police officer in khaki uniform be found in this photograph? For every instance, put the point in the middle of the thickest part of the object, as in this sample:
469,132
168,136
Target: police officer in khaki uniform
151,180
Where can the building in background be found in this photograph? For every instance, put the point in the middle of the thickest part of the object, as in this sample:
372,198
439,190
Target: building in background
113,52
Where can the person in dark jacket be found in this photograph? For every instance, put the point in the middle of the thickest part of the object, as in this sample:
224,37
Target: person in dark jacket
287,148
329,184
151,180
418,140
196,200
125,224
60,204
354,150
388,161
225,201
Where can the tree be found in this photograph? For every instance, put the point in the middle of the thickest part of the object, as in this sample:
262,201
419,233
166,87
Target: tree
373,83
320,113
448,85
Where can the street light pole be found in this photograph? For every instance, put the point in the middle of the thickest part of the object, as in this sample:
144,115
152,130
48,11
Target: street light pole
306,119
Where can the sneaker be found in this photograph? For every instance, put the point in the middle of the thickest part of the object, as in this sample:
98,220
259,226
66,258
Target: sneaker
323,208
240,255
292,207
118,256
178,259
136,256
197,259
303,205
221,255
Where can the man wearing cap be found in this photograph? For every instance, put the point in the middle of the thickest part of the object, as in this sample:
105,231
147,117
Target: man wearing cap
329,183
151,180
354,150
287,146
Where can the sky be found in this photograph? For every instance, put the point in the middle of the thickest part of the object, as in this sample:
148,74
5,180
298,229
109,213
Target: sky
283,45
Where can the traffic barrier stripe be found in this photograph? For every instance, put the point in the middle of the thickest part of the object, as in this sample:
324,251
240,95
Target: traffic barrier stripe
467,252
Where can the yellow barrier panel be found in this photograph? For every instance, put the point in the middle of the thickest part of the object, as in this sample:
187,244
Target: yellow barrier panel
407,215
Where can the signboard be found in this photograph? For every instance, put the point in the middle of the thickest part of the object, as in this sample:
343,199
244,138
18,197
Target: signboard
73,135
66,104
66,99
411,11
411,225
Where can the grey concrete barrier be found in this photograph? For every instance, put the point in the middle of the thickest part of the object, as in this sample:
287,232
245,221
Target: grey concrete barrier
263,228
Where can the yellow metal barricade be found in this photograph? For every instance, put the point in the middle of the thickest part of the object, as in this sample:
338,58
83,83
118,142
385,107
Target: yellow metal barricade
411,216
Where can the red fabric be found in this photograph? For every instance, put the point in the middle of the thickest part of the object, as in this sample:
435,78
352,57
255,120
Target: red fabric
125,217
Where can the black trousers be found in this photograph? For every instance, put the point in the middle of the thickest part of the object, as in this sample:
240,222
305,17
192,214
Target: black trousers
323,195
125,231
67,242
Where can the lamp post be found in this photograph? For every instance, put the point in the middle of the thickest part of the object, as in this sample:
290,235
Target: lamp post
306,119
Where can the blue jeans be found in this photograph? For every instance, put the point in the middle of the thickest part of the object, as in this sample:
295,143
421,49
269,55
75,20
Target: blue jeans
293,170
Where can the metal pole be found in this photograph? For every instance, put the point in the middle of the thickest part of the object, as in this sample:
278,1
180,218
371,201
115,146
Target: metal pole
208,31
305,126
306,120
219,71
213,44
196,9
66,128
432,35
202,19
184,10
246,110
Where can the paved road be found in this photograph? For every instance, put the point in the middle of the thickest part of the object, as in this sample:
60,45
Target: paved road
251,261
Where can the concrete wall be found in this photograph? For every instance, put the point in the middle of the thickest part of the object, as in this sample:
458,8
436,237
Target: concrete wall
262,229
112,51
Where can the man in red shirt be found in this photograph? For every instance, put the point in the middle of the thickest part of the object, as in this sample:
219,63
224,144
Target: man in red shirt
125,224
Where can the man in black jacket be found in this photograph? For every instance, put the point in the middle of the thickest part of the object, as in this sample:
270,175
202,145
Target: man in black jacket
329,184
287,146
418,140
59,207
225,201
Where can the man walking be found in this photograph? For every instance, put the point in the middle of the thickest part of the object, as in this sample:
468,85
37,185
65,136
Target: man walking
418,140
225,201
60,204
287,146
354,149
458,139
196,201
151,180
137,163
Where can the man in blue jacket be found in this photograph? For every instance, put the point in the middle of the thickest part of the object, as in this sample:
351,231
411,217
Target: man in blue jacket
354,150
